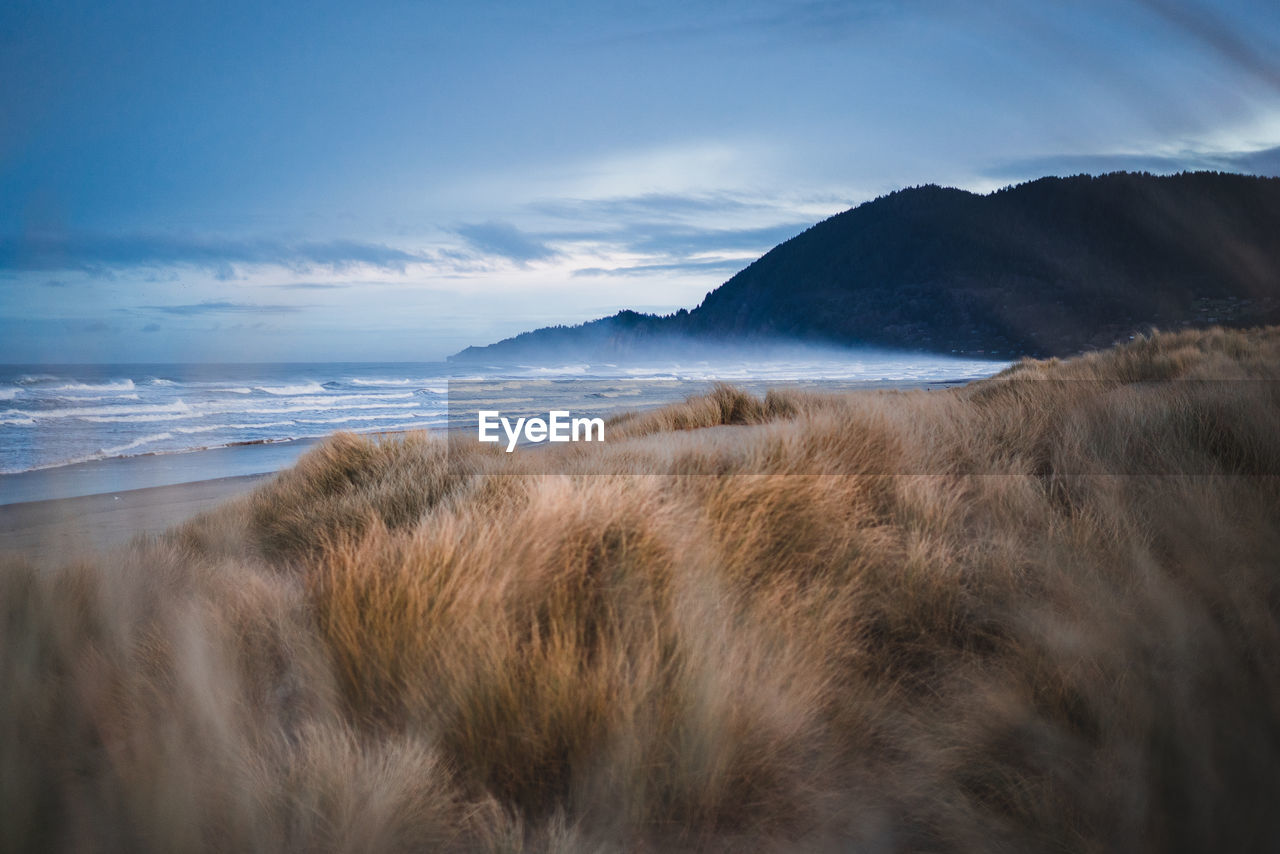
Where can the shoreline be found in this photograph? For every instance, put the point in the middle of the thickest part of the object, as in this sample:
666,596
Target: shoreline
262,456
145,471
49,516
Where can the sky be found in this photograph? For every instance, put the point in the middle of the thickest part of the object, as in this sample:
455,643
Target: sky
394,181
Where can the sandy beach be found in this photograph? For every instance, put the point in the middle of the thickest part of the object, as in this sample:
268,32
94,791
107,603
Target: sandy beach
52,515
54,531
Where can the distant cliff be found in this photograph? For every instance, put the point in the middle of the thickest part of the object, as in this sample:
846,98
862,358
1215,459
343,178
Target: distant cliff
1050,267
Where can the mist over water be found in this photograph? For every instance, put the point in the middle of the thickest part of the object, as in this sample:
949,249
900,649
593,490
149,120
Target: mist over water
58,415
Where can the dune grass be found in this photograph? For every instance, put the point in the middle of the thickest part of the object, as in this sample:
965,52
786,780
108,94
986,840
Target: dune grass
1035,613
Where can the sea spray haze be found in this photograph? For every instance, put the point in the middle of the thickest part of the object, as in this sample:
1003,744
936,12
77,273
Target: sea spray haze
1005,640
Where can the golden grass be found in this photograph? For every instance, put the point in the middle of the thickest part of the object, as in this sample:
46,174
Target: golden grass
1038,612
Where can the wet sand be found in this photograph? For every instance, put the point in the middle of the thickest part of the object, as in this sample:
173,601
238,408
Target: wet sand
55,531
111,476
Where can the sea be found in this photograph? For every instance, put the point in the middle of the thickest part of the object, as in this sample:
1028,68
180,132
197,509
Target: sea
66,416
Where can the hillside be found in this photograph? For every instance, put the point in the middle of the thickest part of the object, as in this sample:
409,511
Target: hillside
1047,268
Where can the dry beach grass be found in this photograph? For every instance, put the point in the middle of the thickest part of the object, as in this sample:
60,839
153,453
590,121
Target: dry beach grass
1038,612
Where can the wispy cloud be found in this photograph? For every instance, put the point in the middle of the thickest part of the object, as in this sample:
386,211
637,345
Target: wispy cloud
683,241
660,244
671,214
648,205
657,233
221,307
1211,28
102,253
727,267
1264,161
506,241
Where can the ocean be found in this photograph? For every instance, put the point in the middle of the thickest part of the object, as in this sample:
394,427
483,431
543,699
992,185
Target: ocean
56,416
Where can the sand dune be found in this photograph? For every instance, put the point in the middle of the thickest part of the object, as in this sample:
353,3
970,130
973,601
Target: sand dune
1038,612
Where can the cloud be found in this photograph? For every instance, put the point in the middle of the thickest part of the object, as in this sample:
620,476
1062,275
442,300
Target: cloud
674,226
151,327
221,307
102,254
1265,161
647,205
657,232
727,267
674,242
505,240
681,241
344,285
684,249
1210,28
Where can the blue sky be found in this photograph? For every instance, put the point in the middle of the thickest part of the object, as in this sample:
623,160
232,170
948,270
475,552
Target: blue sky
395,181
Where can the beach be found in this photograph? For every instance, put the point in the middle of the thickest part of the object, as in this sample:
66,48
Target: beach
54,531
52,514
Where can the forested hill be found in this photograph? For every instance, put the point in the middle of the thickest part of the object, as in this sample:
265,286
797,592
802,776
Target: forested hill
1050,267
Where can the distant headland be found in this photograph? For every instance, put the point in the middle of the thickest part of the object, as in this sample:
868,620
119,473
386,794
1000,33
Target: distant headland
1051,267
